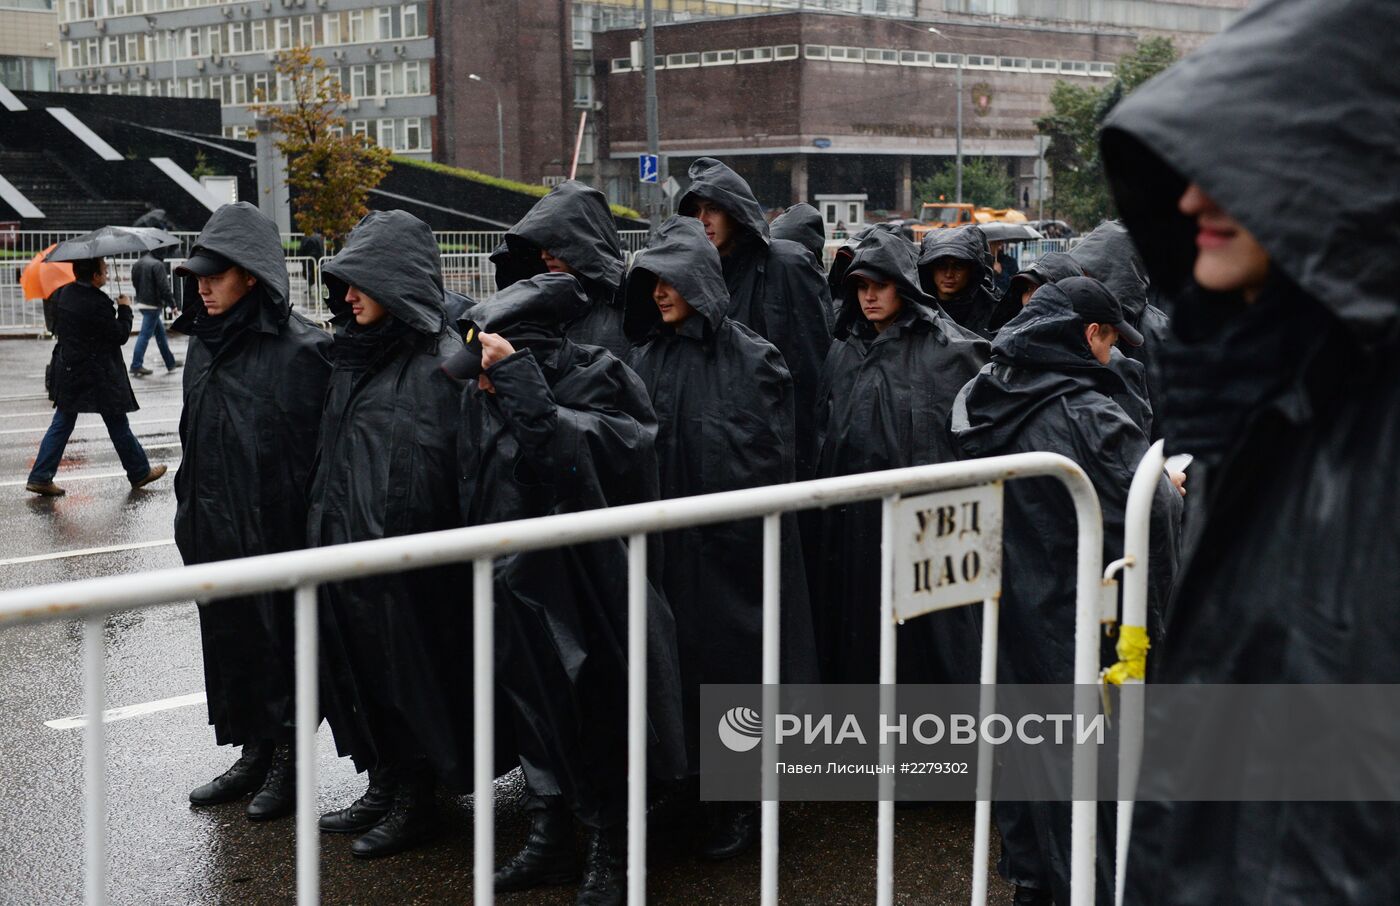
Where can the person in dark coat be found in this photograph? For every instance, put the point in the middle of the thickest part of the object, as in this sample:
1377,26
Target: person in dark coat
775,289
1048,268
313,248
841,259
802,224
1047,389
550,426
87,374
150,279
571,231
252,397
396,647
724,402
1281,375
884,403
955,267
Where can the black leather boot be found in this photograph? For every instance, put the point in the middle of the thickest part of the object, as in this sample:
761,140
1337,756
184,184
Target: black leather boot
410,821
605,869
1032,896
733,830
278,795
548,856
365,812
246,776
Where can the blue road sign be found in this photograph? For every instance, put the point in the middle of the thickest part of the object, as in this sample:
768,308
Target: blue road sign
647,168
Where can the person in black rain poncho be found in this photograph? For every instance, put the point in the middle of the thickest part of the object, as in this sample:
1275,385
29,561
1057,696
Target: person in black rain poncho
397,674
550,426
1048,268
1262,196
886,395
571,231
775,289
254,383
955,267
723,398
802,224
1047,389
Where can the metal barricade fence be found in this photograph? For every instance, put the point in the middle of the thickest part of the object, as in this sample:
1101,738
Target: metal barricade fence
304,571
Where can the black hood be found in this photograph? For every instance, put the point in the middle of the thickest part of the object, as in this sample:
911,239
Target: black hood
836,277
1037,358
716,183
803,224
392,256
1049,268
574,223
891,257
249,238
1288,119
531,309
1109,256
683,257
966,243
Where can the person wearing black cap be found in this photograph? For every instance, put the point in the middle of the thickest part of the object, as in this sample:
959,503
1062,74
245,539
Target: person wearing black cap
87,374
1048,268
397,674
550,426
884,404
1047,389
253,388
718,388
776,289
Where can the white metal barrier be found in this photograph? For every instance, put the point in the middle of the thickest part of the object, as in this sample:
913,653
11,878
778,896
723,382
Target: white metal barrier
304,571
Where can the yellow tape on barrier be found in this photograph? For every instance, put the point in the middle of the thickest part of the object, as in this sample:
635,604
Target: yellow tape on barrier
1132,656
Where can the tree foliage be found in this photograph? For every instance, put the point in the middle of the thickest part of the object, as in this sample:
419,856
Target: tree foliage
1073,125
985,182
330,171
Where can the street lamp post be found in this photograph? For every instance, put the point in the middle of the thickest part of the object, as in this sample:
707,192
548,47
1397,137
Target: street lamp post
500,126
959,119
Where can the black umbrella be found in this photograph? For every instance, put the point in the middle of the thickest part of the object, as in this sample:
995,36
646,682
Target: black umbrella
112,240
999,231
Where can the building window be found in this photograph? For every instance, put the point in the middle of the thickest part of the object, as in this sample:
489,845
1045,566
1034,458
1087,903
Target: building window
359,127
413,20
388,134
330,28
1074,66
915,58
785,52
755,54
390,25
1014,63
308,30
384,76
357,26
718,58
883,57
846,54
946,59
975,61
358,82
682,60
284,34
259,33
260,87
814,51
237,37
238,90
413,80
621,64
413,134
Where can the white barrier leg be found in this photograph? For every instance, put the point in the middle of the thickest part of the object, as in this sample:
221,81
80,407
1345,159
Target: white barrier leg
772,622
94,766
982,833
884,864
308,711
637,720
483,679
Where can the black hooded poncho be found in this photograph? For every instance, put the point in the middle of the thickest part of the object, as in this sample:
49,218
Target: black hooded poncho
972,308
1291,567
1051,267
573,223
884,404
775,290
802,224
723,401
1044,391
248,431
568,428
396,647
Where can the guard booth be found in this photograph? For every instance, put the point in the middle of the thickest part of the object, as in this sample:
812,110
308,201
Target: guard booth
841,214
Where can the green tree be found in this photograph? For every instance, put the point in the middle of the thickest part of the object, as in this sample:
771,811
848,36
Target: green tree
985,182
1073,125
330,171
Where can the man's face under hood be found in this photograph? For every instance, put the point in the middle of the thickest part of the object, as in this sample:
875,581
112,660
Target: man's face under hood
951,277
720,227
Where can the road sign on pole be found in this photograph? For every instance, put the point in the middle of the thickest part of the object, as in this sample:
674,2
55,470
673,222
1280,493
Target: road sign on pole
647,167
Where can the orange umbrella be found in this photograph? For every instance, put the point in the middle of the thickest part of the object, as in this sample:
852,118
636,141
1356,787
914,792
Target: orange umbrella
42,277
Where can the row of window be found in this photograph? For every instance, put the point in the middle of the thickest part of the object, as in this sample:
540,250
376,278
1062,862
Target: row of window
397,134
72,10
360,82
385,23
870,55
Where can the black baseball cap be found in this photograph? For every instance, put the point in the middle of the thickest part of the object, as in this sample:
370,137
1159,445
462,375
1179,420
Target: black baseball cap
203,263
1095,304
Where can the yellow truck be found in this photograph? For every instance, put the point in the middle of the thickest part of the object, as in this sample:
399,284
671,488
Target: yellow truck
938,215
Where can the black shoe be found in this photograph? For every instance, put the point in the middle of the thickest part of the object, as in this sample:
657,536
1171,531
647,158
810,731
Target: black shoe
410,821
548,856
278,796
733,831
1032,896
365,812
139,371
246,776
605,872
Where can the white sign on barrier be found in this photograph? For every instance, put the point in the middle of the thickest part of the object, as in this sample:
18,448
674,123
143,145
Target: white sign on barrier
947,550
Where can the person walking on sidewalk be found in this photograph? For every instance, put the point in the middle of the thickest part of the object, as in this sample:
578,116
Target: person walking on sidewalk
151,280
87,374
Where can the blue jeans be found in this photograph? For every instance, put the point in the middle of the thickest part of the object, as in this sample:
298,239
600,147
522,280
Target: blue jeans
51,448
151,324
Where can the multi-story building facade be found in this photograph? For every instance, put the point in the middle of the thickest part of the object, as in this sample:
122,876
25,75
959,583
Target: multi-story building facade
28,45
383,53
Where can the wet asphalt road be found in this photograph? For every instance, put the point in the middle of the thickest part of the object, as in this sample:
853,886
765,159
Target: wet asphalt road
161,851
